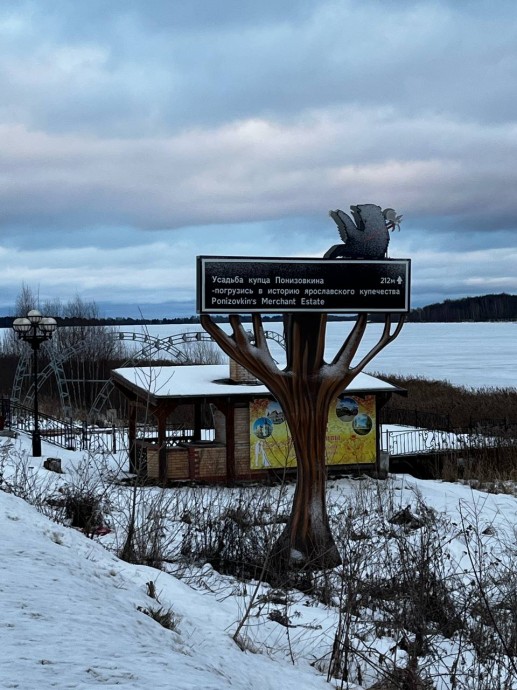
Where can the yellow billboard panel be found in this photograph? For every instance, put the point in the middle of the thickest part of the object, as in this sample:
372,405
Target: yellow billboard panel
351,433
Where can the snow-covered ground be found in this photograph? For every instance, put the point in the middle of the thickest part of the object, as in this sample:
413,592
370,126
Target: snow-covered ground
72,618
75,616
73,613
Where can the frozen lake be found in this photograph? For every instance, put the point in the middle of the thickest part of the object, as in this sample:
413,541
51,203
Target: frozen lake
475,355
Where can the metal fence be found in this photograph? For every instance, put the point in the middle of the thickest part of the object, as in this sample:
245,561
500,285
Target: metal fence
73,436
427,439
435,441
419,441
59,432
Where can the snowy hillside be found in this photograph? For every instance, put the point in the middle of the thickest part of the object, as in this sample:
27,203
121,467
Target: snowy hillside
71,619
76,616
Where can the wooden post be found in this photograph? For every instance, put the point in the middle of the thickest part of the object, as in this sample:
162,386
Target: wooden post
133,455
161,416
198,417
230,441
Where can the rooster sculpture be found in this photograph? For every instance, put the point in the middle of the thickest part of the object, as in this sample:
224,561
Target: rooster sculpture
367,235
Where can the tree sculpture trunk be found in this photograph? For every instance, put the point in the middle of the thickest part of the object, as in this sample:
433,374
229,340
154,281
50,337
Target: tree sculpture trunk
305,389
307,395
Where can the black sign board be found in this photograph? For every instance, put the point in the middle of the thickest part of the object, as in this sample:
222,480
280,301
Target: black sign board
227,285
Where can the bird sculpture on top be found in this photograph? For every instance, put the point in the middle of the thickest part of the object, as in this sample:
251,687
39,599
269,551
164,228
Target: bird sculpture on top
366,238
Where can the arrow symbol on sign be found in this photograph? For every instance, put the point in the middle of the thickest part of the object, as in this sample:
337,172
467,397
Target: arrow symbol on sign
399,280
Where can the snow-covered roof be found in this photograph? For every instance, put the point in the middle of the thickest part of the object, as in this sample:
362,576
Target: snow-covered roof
208,380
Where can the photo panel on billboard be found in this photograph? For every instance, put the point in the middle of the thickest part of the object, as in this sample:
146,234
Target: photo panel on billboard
351,433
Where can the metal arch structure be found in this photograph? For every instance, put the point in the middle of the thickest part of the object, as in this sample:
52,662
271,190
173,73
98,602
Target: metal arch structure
23,387
23,384
57,359
170,344
22,373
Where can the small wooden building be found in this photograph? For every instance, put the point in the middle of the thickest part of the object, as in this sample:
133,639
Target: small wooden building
205,423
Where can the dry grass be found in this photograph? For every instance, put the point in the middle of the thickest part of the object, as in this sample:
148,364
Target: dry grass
464,406
487,414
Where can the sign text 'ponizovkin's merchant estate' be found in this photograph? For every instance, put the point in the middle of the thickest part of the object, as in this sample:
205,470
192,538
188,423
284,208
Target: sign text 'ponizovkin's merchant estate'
237,285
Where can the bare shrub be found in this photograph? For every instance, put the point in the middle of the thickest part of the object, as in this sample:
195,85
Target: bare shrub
146,543
403,679
233,533
493,599
204,352
489,465
463,406
395,582
18,476
83,509
165,617
149,524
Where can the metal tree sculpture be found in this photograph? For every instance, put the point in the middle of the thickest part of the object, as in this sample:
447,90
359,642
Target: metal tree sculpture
305,389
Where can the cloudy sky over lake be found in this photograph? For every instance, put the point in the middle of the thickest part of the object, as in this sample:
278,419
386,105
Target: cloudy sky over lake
136,135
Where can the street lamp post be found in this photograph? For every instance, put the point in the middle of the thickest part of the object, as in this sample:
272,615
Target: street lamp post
35,329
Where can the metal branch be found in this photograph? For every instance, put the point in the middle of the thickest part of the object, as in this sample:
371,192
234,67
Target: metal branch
320,356
384,340
255,357
225,342
257,360
347,351
261,341
239,334
258,332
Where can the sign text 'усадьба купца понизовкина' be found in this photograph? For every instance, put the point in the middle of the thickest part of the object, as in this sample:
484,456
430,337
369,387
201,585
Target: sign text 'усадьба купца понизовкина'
235,285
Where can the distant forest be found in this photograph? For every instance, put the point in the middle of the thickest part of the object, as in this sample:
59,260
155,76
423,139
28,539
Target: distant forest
502,307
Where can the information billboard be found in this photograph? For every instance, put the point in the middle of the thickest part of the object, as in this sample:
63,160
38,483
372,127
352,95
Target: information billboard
237,285
351,433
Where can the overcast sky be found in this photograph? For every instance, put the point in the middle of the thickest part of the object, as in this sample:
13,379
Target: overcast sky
136,135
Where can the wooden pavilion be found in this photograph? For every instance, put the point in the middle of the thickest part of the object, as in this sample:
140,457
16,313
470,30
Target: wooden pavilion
199,423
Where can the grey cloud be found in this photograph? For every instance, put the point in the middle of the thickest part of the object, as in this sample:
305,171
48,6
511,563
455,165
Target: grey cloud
259,170
238,125
165,15
165,271
162,66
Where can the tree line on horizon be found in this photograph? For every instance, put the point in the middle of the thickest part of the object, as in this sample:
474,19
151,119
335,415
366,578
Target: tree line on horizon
494,307
500,307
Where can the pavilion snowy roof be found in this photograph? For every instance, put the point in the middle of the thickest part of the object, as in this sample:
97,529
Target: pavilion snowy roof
206,380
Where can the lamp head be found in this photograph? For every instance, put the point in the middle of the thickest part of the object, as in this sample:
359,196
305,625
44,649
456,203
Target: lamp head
22,325
48,325
34,316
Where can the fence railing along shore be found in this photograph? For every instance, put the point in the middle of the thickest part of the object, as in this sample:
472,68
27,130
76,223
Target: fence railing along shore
434,441
64,433
83,436
426,436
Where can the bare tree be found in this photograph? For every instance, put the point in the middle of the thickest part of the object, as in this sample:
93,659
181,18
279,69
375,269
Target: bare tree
26,300
85,351
305,390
